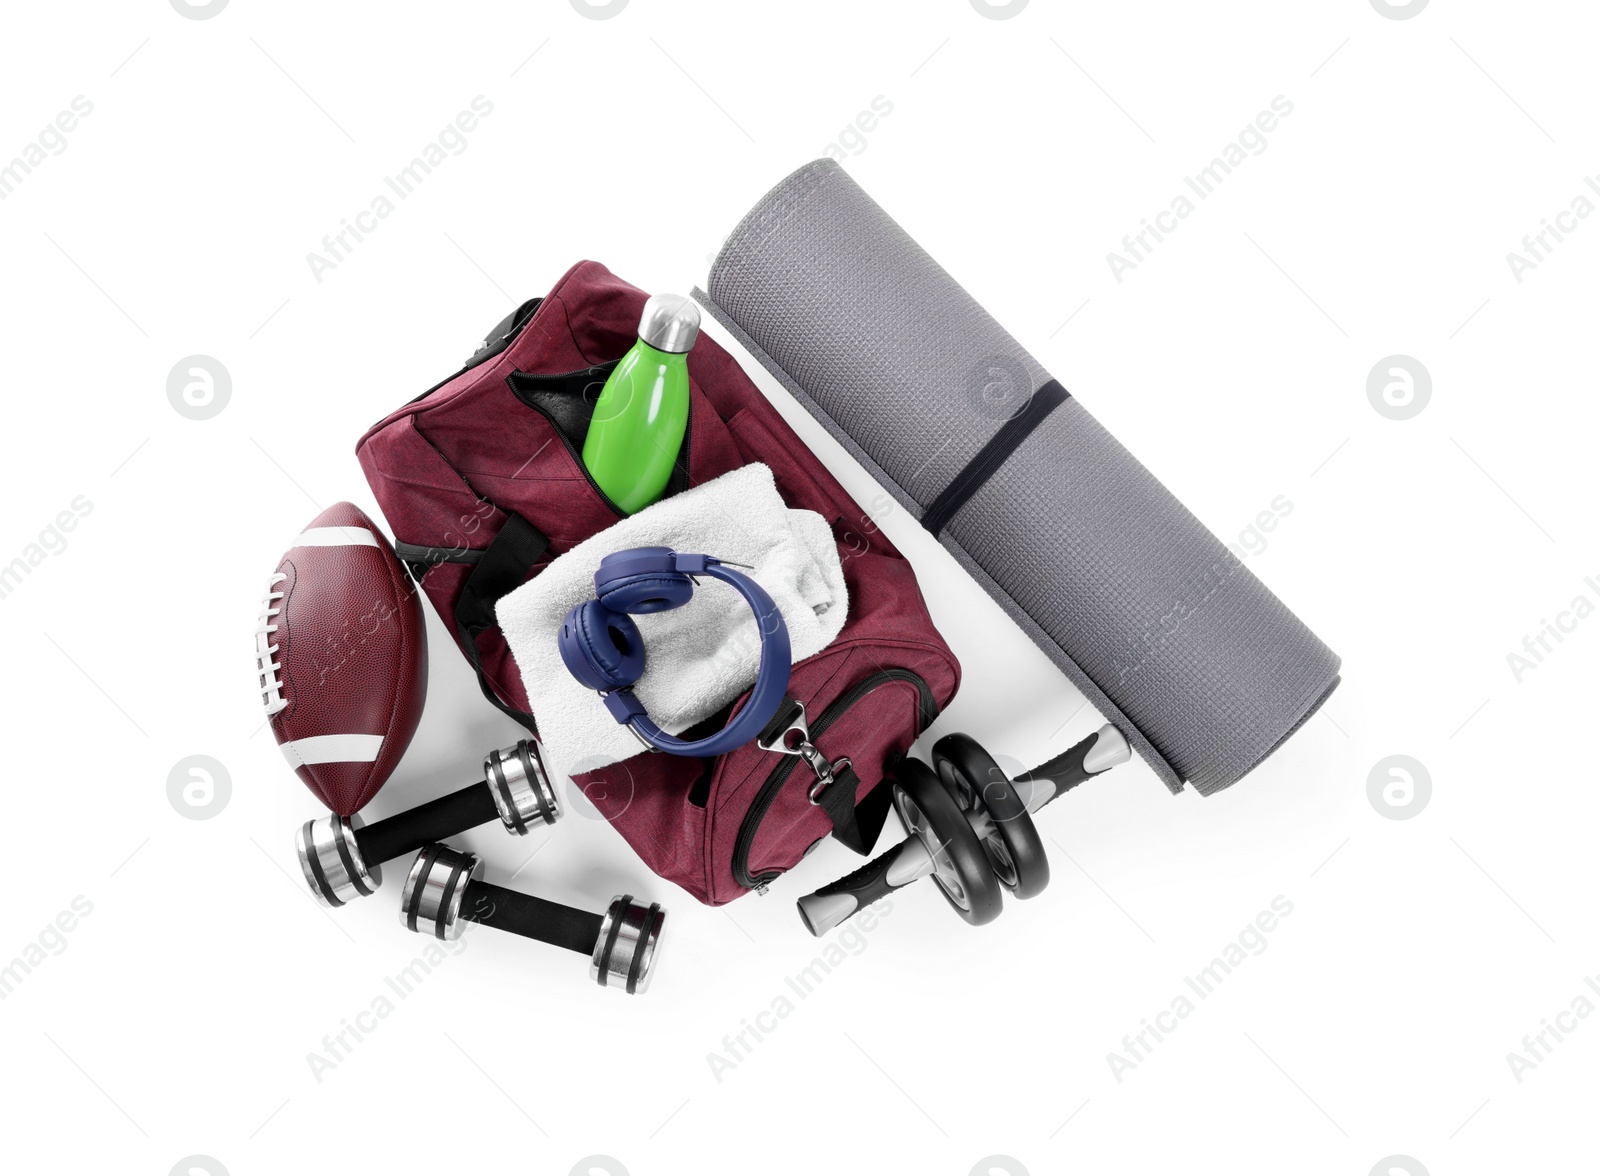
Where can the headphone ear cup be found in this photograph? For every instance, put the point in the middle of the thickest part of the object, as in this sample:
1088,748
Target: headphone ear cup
601,648
652,593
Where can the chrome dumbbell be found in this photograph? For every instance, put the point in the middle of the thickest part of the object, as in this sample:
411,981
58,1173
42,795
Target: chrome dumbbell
443,893
340,856
971,829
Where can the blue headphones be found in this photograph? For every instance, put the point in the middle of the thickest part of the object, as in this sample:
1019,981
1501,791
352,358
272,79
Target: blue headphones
601,645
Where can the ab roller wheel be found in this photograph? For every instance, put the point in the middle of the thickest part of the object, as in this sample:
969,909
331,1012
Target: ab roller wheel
958,865
971,830
1013,844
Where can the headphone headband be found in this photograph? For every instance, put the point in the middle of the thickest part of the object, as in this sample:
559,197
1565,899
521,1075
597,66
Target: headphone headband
650,561
653,579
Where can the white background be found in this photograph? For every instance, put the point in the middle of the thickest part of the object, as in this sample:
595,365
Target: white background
178,1017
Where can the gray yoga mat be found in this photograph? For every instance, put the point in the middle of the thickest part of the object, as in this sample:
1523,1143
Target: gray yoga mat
1156,621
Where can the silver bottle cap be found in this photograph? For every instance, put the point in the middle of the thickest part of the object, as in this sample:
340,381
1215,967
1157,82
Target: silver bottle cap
670,322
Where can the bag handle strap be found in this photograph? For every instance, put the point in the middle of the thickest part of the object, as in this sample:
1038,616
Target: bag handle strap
503,566
421,559
855,826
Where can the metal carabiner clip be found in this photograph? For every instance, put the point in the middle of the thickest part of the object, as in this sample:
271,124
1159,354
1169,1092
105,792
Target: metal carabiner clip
779,741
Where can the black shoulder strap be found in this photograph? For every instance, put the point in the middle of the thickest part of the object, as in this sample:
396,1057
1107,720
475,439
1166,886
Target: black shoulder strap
503,566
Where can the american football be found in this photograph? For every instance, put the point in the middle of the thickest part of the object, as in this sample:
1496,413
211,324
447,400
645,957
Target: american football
342,659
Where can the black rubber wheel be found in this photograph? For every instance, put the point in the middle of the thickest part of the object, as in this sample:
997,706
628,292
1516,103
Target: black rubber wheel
961,868
1015,849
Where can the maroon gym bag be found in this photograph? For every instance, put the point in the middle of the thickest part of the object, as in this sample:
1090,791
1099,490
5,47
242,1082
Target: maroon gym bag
481,481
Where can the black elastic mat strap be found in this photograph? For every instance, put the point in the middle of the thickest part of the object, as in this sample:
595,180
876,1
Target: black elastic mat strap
992,456
855,826
504,566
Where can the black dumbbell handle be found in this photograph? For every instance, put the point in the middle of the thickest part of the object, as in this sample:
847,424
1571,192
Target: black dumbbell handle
533,918
438,820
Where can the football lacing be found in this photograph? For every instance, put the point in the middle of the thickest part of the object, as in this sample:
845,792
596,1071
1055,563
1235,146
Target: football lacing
271,689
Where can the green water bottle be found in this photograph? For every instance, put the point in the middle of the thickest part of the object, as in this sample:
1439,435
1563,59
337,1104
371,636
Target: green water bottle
640,417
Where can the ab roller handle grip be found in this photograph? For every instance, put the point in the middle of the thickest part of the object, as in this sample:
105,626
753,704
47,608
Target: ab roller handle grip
1103,750
340,857
879,878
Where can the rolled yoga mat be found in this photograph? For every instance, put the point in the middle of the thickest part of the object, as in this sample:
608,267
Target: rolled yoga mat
1156,621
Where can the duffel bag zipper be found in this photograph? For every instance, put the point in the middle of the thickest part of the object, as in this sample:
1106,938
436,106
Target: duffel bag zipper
577,459
927,711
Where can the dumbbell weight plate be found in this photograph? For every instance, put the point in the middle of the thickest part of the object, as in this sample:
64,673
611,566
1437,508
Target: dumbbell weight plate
961,870
331,861
626,950
430,901
1014,846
